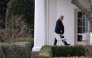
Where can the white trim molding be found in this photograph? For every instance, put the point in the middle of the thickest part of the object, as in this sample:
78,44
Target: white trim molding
47,22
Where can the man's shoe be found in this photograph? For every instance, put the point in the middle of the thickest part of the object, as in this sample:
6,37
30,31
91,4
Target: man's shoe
65,43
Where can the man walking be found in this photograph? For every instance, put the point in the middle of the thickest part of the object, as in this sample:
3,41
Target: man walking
59,31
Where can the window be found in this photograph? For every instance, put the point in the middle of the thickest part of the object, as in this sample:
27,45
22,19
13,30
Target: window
82,25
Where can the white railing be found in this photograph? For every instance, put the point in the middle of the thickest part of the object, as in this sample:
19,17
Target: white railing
86,38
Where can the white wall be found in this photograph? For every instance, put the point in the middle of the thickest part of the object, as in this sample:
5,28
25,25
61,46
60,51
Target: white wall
63,7
52,17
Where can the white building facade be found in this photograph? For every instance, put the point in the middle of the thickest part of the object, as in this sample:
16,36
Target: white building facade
46,14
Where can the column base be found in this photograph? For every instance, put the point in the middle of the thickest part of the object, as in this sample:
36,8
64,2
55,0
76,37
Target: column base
35,51
33,54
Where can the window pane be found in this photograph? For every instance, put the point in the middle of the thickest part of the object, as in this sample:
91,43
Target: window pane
85,29
85,22
79,38
79,22
79,29
79,14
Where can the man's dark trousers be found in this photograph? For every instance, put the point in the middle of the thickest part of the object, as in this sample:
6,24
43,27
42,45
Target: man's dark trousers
55,41
65,43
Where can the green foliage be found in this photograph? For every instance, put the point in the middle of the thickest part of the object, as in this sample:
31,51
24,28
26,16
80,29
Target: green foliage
61,51
23,8
1,35
66,51
71,57
32,42
45,52
6,49
3,8
17,50
2,55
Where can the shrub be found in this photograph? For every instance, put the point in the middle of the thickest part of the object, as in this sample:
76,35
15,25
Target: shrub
71,57
2,55
45,52
66,51
61,51
1,35
17,50
32,41
6,49
16,31
23,8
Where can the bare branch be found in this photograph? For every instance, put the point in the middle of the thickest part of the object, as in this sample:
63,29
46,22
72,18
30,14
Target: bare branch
81,7
89,1
16,30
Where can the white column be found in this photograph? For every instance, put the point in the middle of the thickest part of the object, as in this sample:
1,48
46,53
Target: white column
91,33
90,38
40,25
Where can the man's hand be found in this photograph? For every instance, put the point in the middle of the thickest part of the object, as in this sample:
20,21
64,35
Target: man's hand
61,31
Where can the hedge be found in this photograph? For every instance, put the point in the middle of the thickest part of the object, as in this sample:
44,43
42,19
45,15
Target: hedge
70,57
2,55
1,35
32,41
45,52
61,51
66,51
16,50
